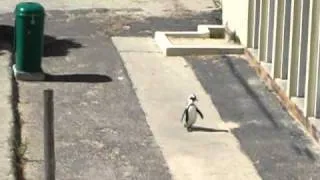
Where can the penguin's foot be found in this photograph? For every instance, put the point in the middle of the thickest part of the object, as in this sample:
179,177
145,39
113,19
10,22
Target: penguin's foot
189,129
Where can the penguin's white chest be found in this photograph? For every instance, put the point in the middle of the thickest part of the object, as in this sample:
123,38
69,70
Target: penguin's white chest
192,115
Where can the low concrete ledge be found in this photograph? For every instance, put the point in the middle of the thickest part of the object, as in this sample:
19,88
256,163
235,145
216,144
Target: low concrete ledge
282,83
315,128
267,66
203,34
299,102
188,34
203,50
215,31
162,41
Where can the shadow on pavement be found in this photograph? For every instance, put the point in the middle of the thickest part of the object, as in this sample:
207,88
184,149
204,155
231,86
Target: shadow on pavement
250,91
266,132
88,78
204,129
58,47
52,45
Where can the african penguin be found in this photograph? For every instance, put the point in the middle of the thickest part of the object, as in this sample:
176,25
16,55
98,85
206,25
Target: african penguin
189,115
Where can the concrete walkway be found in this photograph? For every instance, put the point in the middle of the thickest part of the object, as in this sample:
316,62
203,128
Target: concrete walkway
265,143
6,120
162,85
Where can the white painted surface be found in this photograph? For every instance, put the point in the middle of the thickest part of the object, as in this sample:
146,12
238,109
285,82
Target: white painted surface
235,16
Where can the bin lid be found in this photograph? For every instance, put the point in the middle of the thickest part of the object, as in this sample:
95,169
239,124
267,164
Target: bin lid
29,8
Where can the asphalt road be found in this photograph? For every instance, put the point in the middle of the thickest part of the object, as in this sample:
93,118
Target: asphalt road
99,125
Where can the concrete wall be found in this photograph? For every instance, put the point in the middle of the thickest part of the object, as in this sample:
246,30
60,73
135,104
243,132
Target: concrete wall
235,17
286,35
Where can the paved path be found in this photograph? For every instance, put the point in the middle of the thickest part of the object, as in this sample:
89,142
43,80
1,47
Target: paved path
268,143
162,85
6,120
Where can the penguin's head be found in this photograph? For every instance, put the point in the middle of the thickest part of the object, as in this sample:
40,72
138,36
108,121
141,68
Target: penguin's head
192,98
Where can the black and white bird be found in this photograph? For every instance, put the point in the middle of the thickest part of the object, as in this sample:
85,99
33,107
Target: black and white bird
190,113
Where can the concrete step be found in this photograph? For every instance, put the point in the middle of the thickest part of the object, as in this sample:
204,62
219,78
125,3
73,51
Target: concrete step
209,39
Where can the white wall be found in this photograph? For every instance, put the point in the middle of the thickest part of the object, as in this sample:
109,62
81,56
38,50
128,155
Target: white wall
235,17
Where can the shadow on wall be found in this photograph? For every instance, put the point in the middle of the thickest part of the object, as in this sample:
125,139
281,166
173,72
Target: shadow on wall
52,45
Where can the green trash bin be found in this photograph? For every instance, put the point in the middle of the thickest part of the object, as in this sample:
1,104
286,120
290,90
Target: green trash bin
28,41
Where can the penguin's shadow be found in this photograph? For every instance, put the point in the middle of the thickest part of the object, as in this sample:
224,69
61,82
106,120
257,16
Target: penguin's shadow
204,129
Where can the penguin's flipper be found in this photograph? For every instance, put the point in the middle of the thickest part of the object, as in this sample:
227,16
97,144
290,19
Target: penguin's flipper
187,115
184,114
200,113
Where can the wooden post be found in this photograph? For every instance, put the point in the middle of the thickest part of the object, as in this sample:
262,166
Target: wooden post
49,153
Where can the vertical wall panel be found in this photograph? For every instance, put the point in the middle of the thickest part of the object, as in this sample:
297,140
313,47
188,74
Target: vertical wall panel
257,24
270,30
264,6
312,91
251,19
278,38
294,46
303,48
286,40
